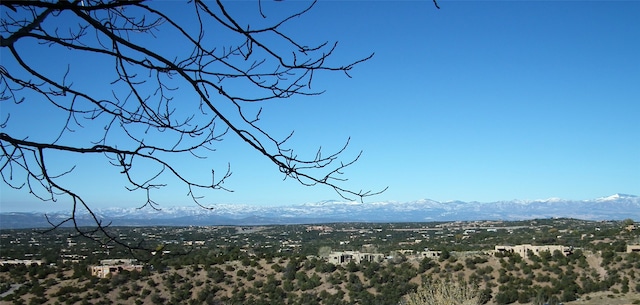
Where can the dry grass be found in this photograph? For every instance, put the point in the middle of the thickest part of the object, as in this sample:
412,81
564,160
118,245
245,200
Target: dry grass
442,292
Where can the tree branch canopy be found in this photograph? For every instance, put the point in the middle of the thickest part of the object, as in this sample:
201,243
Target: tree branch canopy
134,80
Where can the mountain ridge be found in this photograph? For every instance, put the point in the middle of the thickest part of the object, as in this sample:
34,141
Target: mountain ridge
614,207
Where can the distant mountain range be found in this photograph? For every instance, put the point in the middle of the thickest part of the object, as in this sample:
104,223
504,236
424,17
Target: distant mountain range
615,207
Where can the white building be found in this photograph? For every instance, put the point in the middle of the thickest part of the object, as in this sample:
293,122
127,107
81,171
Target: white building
114,266
338,258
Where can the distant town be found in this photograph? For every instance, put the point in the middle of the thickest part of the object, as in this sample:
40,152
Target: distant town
526,262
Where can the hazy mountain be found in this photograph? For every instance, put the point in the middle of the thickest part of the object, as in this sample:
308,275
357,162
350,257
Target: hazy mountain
615,207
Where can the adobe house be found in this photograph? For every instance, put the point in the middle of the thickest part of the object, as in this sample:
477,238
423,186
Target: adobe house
522,250
633,248
338,258
114,266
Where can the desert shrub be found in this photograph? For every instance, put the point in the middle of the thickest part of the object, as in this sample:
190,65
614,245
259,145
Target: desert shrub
157,299
276,267
4,287
443,292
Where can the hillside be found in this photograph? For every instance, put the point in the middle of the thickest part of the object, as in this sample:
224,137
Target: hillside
602,277
520,262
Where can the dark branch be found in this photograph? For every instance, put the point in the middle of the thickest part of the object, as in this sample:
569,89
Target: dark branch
158,103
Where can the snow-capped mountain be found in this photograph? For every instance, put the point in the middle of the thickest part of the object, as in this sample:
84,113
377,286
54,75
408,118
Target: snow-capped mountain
614,207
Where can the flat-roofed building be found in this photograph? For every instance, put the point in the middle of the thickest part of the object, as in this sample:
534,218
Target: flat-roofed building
338,258
114,266
633,248
523,250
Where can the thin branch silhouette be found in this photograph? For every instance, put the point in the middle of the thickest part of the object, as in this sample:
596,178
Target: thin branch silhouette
158,101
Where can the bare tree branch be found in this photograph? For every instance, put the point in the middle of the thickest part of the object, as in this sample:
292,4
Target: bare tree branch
159,101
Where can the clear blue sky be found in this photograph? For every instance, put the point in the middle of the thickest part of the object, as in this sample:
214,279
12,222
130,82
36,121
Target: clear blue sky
480,100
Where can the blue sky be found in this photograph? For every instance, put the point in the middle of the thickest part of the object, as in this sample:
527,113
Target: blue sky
480,100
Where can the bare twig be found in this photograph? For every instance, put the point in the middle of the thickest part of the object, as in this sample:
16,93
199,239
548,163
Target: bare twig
159,101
